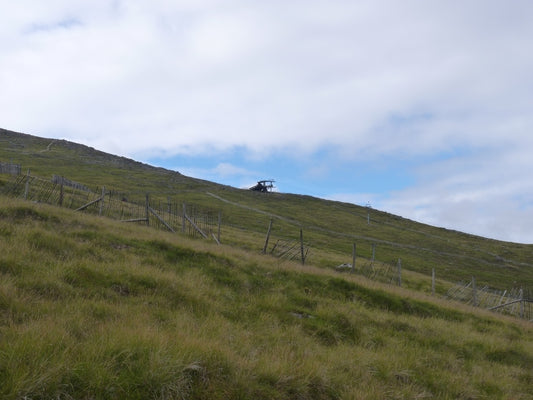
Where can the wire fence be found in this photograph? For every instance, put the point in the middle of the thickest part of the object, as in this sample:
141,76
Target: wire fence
10,168
192,220
517,302
172,215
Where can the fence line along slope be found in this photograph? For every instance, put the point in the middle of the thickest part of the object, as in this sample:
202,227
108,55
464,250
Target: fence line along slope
330,228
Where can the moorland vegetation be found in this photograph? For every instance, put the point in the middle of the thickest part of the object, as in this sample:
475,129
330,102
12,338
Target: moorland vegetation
91,308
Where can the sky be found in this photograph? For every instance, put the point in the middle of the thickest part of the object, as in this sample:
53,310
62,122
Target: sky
421,108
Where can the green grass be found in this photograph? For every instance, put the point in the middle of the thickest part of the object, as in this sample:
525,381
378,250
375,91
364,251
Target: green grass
94,309
330,228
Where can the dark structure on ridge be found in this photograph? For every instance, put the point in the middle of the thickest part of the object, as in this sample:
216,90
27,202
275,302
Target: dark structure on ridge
264,186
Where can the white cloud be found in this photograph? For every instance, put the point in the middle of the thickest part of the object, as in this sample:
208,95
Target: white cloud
226,169
489,194
371,79
258,76
223,172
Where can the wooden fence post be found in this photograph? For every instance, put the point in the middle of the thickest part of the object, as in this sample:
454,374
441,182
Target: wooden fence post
184,217
147,209
267,236
399,272
353,258
27,187
373,255
433,282
302,246
219,224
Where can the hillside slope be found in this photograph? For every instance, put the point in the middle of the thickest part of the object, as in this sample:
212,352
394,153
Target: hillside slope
94,309
330,228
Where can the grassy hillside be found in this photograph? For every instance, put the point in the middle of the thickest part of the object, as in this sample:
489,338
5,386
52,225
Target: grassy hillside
94,309
47,157
91,308
330,228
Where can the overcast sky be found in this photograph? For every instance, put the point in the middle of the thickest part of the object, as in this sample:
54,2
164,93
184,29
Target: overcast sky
421,108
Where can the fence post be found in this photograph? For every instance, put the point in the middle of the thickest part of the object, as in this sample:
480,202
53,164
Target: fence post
433,282
373,255
302,245
219,225
184,217
146,211
399,272
267,236
353,258
27,187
